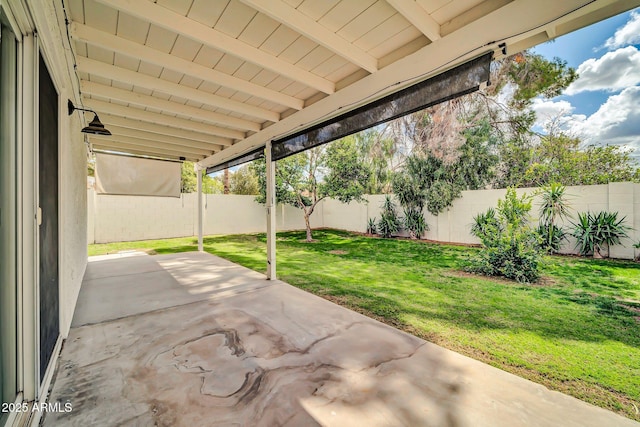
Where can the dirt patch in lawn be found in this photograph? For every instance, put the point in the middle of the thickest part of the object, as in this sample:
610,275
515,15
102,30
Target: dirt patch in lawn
338,252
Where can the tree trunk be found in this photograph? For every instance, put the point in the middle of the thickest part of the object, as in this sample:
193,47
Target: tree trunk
308,224
225,181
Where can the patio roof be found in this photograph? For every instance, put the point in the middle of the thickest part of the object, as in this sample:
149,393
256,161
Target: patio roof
209,81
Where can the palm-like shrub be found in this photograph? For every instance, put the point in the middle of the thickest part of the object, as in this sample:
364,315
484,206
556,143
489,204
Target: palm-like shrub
553,207
594,232
415,223
371,226
485,223
389,223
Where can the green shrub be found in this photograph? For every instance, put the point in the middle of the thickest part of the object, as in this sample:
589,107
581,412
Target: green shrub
594,232
371,226
389,223
510,246
415,223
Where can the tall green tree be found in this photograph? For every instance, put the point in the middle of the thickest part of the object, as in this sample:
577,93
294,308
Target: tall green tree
188,178
244,181
435,181
559,158
189,181
305,179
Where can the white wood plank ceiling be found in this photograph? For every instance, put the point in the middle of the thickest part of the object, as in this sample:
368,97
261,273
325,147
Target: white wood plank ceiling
211,79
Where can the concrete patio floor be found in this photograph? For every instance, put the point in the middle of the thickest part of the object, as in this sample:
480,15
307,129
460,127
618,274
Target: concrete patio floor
193,340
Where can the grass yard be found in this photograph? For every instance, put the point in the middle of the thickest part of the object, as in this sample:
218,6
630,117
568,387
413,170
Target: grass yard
578,332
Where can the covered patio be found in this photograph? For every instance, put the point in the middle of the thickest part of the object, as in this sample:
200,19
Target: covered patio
191,339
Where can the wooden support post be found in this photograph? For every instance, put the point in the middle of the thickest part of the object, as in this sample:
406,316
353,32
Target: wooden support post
271,214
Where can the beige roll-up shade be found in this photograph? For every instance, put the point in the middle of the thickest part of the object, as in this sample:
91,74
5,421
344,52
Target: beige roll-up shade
134,176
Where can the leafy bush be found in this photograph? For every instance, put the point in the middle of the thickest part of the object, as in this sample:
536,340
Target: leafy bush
554,207
415,223
389,223
595,231
510,245
371,226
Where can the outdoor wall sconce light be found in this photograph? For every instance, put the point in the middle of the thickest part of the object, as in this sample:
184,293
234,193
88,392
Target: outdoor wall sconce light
95,127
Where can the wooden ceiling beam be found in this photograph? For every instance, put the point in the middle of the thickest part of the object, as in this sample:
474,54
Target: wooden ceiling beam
167,131
140,151
130,97
418,17
161,119
146,143
165,18
98,68
165,139
292,18
123,46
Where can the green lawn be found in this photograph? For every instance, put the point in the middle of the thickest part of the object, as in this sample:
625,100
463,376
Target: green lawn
577,332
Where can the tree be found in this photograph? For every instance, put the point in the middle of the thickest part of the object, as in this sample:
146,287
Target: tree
189,181
559,158
305,179
377,150
436,179
188,178
244,181
211,185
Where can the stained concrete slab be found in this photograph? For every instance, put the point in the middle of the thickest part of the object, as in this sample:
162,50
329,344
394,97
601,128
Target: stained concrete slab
270,354
121,285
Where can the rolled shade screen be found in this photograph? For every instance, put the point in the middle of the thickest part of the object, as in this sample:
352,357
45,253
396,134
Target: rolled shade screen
244,158
135,176
458,81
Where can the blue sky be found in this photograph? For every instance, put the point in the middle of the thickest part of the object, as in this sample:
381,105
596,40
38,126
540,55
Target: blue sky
603,105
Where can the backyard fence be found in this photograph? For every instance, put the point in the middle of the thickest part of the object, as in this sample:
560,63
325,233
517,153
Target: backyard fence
126,218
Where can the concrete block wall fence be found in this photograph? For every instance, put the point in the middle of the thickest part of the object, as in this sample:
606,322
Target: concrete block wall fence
127,218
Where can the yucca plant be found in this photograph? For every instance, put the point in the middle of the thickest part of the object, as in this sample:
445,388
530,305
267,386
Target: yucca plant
553,207
371,226
594,232
389,223
485,223
415,223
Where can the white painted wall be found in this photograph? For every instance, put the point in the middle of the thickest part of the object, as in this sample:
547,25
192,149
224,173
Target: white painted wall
124,218
73,217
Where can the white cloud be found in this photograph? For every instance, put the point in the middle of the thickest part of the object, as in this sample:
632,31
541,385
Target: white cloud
613,72
626,35
548,110
617,121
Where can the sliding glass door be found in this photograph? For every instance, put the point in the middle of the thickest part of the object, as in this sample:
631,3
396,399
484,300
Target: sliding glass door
8,223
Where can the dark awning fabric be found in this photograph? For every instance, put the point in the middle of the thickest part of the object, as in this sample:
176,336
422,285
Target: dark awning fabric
458,81
248,157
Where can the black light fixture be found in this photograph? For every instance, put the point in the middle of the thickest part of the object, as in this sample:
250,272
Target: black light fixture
95,127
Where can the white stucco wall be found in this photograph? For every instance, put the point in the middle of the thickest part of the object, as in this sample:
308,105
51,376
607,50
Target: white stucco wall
122,218
73,215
